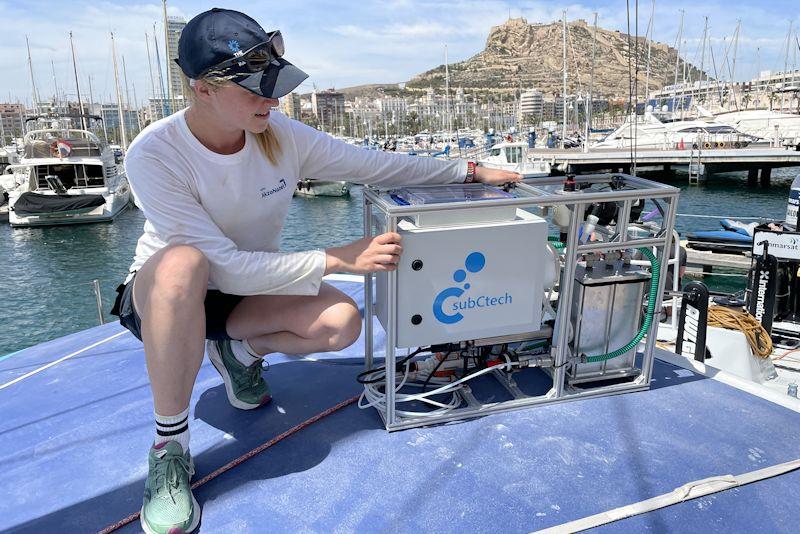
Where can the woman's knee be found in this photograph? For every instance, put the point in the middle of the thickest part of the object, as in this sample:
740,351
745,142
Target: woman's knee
345,325
181,273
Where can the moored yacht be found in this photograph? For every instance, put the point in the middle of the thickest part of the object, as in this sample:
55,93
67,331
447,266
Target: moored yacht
513,156
766,124
322,188
66,176
660,131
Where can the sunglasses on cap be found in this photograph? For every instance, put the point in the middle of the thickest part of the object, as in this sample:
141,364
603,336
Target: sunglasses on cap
255,59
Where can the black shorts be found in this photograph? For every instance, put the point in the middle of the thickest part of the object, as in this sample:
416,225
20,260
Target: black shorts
218,306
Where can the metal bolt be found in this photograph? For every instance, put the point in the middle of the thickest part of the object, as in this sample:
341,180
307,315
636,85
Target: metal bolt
792,391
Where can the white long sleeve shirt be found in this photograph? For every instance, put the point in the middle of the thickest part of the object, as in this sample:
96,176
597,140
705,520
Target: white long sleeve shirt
233,207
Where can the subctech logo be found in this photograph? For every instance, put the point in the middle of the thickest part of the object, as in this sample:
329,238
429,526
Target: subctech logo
451,299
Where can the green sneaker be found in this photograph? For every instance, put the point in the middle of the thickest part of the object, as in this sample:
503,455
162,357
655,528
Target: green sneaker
244,385
169,506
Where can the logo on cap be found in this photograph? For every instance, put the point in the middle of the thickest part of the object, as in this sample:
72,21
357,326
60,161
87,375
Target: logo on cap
233,44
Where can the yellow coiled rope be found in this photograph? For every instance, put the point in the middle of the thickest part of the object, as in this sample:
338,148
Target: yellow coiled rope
732,319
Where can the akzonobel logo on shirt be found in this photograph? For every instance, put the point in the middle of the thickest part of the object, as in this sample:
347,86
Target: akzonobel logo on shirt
267,192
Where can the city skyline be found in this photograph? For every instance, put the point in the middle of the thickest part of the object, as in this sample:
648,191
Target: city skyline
370,42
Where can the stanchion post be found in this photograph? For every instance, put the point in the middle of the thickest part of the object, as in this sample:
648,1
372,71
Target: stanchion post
99,299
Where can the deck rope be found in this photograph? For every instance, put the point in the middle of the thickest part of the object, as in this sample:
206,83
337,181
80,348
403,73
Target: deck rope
732,319
243,458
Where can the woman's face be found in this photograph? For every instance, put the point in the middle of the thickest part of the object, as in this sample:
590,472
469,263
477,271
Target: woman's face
241,109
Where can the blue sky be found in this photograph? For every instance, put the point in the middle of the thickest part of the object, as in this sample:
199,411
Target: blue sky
349,43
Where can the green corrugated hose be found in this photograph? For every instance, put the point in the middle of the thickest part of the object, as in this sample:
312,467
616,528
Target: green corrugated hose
651,305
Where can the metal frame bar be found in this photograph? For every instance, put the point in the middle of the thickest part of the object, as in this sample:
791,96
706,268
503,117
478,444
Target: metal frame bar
530,195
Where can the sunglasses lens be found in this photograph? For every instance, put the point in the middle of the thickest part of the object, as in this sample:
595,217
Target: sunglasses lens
258,59
277,45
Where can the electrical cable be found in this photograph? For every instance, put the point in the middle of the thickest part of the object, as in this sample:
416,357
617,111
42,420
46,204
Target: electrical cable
361,380
730,319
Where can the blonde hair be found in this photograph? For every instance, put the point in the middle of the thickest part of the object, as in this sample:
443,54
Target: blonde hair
267,140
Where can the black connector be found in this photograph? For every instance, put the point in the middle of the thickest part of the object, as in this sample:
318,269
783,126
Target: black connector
445,347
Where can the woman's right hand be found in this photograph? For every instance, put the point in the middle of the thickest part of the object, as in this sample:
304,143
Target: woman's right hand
367,255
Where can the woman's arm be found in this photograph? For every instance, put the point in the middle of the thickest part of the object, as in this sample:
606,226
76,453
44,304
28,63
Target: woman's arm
178,217
322,156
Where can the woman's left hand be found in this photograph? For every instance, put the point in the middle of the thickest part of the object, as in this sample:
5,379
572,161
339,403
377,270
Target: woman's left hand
489,176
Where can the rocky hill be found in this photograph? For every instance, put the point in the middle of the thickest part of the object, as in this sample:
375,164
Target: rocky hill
519,54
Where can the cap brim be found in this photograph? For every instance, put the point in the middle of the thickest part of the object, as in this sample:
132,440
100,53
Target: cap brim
280,79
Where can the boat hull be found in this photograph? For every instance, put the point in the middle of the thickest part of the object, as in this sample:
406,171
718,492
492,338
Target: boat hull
115,203
322,188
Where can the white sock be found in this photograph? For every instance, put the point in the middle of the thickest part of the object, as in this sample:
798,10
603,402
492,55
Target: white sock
244,353
173,428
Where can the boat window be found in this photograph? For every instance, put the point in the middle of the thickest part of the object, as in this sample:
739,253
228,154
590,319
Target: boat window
692,129
515,154
70,175
495,152
720,129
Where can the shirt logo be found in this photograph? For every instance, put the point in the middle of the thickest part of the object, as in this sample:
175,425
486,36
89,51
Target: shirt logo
267,192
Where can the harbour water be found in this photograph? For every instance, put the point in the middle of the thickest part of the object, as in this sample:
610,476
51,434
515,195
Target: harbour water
46,274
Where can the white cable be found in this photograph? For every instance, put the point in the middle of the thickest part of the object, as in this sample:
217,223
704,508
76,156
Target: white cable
421,396
377,399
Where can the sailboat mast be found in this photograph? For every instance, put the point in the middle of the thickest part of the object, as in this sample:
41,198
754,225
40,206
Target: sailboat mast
136,108
164,106
677,61
77,85
758,69
794,62
564,95
590,103
786,63
703,56
447,94
733,69
119,95
150,65
649,46
33,83
127,93
55,85
166,58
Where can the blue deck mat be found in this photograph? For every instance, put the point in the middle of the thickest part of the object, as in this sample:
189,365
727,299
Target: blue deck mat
75,438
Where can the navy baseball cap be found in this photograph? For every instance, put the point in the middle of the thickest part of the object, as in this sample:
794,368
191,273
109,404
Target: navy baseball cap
217,36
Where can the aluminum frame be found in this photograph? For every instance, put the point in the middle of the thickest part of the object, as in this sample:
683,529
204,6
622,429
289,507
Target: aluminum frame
531,195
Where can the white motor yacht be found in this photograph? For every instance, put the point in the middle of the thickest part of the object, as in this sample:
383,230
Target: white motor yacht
660,131
322,188
66,176
513,156
765,124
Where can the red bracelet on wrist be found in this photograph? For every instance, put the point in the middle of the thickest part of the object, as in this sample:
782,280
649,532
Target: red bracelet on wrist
471,165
